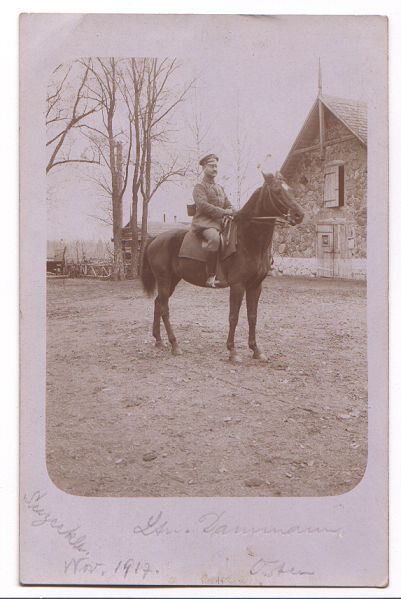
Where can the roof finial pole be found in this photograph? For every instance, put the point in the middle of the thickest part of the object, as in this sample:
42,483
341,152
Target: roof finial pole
320,79
321,115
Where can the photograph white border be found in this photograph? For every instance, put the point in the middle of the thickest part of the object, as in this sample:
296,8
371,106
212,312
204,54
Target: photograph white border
394,288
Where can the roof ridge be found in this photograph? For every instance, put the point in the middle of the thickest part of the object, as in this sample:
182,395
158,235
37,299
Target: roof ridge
356,121
345,100
351,113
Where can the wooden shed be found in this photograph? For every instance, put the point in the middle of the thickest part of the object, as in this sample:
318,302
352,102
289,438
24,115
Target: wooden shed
153,230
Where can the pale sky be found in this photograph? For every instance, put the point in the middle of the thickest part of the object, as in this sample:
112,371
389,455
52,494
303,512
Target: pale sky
269,75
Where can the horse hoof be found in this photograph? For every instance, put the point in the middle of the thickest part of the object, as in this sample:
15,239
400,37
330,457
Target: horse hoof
261,357
176,351
160,345
235,360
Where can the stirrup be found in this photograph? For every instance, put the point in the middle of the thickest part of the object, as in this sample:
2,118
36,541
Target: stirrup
211,282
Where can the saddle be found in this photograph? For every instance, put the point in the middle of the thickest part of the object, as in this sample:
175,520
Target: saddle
194,247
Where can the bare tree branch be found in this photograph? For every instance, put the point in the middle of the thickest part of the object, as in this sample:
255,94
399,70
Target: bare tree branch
69,160
93,129
73,116
55,97
173,105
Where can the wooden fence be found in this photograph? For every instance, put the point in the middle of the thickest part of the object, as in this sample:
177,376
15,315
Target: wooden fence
89,270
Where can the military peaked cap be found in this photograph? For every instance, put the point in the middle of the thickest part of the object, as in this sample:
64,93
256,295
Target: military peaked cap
208,158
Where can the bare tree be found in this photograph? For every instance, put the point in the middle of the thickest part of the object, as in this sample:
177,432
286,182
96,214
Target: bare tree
132,89
200,132
151,102
105,89
121,107
68,105
160,103
241,152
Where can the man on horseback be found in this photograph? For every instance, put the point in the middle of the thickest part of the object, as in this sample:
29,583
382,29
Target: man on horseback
212,205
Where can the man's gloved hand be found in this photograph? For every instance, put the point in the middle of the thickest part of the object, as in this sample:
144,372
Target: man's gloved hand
226,220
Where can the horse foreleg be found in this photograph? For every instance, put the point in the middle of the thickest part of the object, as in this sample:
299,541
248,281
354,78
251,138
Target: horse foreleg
236,297
252,301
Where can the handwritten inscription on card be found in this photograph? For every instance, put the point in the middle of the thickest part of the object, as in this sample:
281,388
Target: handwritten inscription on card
128,568
43,517
133,568
218,523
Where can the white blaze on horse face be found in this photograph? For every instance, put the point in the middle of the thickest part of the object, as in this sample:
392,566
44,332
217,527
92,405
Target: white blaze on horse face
296,212
288,193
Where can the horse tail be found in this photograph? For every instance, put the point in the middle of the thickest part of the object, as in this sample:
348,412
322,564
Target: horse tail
147,277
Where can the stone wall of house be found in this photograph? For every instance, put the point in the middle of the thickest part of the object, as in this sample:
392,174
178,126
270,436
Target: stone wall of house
308,267
293,242
308,183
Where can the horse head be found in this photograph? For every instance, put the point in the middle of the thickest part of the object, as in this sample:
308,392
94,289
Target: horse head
279,199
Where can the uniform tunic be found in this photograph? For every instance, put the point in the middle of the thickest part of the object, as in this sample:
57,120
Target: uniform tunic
211,204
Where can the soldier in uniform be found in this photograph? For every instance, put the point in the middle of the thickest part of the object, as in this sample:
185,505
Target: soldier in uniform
212,205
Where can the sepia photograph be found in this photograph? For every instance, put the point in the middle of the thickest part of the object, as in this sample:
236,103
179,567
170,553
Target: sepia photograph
169,205
212,218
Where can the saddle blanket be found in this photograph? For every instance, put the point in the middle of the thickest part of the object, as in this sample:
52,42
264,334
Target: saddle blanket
194,247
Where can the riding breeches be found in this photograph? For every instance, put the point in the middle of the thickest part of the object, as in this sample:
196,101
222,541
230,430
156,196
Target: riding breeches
212,236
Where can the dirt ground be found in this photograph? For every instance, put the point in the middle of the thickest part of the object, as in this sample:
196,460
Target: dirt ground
127,419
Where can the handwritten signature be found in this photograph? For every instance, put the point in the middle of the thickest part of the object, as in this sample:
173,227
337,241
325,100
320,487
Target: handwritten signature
216,523
44,517
269,568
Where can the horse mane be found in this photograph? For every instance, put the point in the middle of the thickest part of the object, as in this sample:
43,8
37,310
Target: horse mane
249,207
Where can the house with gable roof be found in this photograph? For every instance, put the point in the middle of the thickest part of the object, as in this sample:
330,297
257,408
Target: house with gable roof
327,167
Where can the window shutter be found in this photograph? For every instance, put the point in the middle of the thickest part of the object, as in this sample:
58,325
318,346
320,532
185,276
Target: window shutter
331,187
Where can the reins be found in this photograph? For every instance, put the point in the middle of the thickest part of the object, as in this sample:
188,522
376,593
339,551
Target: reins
274,220
281,219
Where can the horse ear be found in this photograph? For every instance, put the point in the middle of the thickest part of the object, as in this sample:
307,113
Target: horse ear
269,177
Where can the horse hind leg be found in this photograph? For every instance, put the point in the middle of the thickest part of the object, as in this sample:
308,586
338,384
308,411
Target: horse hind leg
165,292
156,324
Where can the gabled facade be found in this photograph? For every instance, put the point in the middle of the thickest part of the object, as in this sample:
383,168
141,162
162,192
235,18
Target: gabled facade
327,167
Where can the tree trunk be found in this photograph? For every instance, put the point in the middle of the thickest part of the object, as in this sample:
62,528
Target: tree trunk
146,193
116,173
118,264
134,265
144,232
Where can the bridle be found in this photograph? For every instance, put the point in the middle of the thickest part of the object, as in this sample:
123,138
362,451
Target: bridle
283,217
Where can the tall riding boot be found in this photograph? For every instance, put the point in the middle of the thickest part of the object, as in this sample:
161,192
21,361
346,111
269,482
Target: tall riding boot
211,269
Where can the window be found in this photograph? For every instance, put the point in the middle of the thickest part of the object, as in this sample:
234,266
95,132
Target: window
334,185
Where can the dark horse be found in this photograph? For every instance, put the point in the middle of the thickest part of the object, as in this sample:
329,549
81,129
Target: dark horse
244,270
